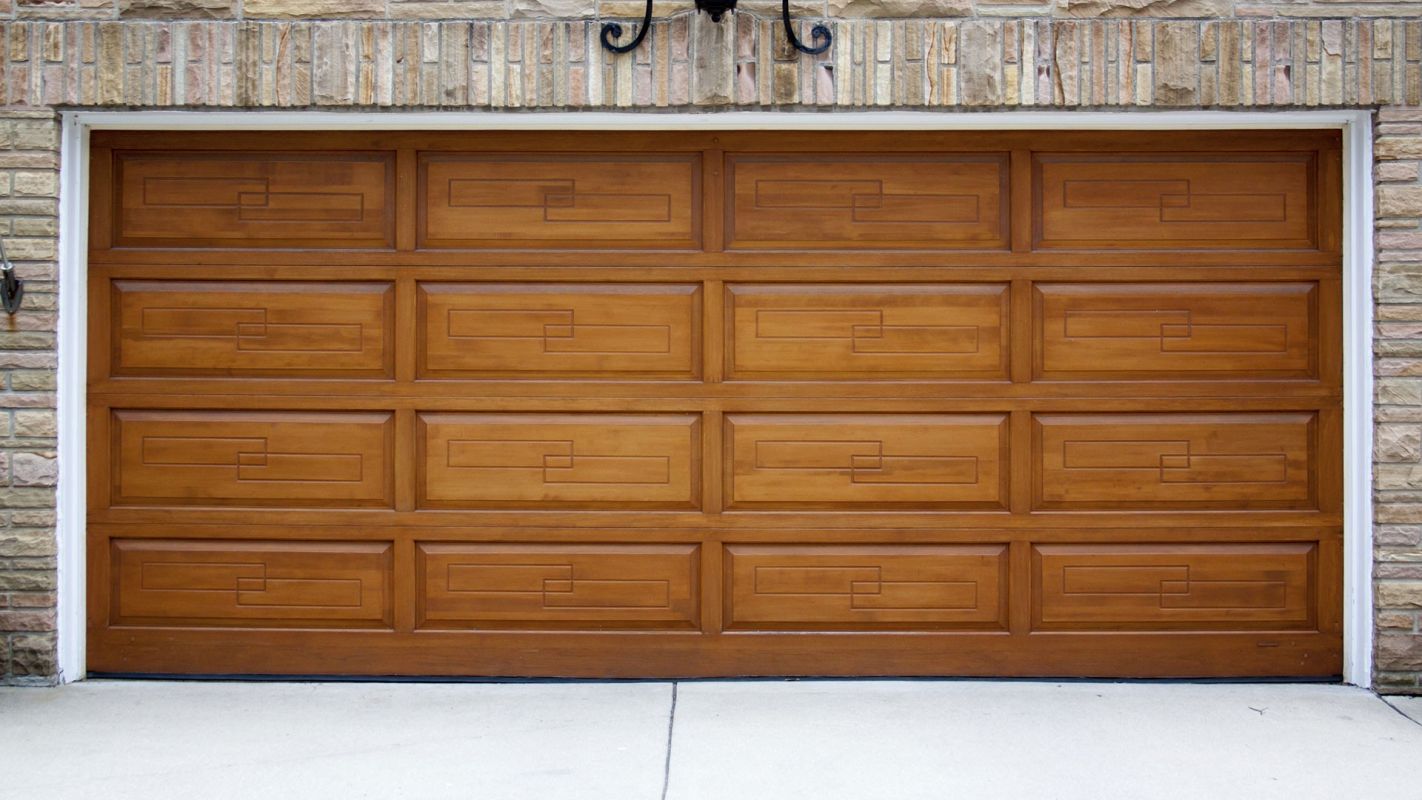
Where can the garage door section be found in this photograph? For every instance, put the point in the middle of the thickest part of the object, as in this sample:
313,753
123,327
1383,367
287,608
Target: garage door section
650,405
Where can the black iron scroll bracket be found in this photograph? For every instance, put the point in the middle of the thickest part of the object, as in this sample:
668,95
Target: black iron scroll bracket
820,34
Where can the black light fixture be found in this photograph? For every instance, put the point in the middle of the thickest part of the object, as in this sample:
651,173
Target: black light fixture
12,289
612,31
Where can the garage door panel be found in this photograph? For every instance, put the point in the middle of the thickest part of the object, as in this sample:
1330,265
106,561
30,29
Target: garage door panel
260,458
852,202
867,331
866,587
179,583
1205,331
1176,461
558,586
648,461
1231,586
550,200
1185,200
254,199
720,403
529,330
281,329
863,461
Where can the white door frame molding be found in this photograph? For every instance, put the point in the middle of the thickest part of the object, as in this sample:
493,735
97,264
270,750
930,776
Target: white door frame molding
1357,280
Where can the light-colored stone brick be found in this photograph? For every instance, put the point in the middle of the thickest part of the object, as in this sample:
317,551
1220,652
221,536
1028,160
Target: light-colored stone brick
1399,594
33,469
170,9
850,9
1147,8
313,9
1399,201
1398,443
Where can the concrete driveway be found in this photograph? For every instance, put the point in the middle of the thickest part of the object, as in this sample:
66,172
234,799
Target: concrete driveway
859,740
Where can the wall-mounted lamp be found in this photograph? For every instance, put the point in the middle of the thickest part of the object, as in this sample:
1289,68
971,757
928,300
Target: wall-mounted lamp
612,31
12,289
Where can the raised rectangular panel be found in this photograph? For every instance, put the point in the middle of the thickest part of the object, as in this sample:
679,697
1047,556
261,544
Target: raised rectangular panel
867,202
1176,461
532,330
867,331
261,199
866,587
634,461
560,586
1129,331
1183,587
183,583
1188,200
866,461
554,200
277,329
252,458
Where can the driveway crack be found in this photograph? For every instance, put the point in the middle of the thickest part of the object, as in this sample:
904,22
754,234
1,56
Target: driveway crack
671,726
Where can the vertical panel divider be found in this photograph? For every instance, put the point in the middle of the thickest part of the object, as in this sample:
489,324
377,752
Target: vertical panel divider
405,581
713,198
1020,195
713,583
1020,451
406,470
406,199
713,331
712,422
712,477
1021,350
1019,595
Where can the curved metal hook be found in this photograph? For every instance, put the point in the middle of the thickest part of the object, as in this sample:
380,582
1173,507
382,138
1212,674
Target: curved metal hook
612,31
819,33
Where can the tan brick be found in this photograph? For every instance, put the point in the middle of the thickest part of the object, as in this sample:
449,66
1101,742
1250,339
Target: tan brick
35,423
1399,594
33,655
1393,148
1399,652
176,9
26,619
851,9
316,9
1399,201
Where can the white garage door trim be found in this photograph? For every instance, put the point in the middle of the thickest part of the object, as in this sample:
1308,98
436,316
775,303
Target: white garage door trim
1357,281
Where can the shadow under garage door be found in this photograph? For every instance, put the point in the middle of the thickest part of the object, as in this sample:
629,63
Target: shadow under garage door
702,404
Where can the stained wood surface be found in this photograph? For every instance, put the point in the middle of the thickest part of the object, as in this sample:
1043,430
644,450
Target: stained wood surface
697,404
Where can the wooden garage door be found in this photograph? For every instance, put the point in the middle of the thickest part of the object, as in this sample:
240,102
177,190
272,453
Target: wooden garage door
715,404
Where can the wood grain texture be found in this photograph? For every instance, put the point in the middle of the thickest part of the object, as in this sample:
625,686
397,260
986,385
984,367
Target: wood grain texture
253,199
831,461
175,583
560,460
834,201
1184,200
241,458
1175,587
560,330
1176,461
542,200
836,331
797,587
224,328
1222,331
726,403
558,586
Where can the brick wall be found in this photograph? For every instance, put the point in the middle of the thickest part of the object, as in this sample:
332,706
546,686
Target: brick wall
537,54
29,184
1398,366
